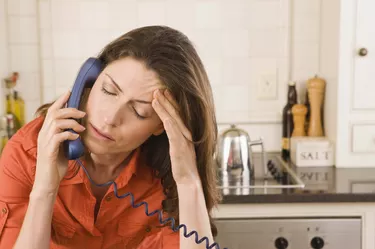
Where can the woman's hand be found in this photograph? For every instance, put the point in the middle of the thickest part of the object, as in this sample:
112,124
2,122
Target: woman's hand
51,163
182,152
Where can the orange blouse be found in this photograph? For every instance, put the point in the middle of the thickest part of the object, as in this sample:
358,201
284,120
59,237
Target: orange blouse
118,224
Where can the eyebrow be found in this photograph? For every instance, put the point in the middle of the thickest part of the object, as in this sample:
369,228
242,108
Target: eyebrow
114,82
118,87
142,101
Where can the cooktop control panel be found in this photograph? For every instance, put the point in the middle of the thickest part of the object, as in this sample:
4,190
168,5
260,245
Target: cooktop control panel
289,233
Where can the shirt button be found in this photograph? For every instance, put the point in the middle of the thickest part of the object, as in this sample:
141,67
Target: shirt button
148,229
4,210
108,198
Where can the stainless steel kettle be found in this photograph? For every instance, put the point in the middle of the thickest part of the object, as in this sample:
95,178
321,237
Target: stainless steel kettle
235,163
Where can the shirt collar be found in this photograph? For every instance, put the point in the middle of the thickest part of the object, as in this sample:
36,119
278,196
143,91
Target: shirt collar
135,167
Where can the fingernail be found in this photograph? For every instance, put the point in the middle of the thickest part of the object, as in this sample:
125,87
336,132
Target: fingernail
156,92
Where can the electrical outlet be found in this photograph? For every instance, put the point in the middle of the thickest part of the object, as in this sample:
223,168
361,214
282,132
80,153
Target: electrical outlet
267,87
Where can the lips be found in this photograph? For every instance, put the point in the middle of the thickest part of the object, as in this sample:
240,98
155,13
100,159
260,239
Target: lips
102,134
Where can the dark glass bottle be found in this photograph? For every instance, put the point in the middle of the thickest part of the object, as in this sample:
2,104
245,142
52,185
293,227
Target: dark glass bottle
288,124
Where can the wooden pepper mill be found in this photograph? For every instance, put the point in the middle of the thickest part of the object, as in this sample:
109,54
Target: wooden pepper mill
316,90
299,112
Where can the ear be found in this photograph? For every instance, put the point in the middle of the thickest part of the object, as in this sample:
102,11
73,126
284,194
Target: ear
159,130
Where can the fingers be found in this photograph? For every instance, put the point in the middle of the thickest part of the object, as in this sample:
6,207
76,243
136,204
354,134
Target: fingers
56,110
65,124
166,110
60,123
172,130
66,135
170,125
60,102
171,99
58,138
63,129
67,113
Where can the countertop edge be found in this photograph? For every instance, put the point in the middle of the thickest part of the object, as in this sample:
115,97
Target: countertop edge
300,198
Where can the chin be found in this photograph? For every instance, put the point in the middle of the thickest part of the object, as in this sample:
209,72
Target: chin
97,147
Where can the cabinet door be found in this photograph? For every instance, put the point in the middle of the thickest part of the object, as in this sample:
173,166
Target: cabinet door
364,57
354,138
363,138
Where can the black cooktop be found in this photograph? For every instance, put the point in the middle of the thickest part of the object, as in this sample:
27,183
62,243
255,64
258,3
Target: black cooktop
321,184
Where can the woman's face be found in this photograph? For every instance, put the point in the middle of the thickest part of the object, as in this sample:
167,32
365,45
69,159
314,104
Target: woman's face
119,114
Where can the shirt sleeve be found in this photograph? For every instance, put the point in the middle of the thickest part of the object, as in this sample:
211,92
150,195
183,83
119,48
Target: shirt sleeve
15,187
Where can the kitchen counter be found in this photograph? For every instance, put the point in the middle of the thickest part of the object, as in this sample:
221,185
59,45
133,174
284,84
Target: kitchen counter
298,198
289,202
322,184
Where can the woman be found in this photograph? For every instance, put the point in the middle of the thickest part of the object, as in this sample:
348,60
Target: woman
138,121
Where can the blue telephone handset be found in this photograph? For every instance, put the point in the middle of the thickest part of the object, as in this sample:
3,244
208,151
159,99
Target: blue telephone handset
86,78
73,150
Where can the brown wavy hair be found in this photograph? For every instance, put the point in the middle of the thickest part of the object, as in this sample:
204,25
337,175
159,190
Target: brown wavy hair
173,57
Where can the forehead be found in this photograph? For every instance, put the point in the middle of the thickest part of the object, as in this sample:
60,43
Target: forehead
129,72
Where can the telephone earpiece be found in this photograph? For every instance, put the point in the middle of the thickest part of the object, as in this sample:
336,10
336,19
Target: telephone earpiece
86,78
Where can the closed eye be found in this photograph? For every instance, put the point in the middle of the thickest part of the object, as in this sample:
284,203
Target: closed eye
137,114
108,92
105,91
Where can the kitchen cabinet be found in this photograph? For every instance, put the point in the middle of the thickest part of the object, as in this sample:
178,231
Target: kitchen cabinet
364,57
354,113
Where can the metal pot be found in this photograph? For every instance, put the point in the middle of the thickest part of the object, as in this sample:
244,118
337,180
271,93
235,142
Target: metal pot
235,163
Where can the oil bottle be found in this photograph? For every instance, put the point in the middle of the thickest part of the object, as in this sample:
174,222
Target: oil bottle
3,132
19,109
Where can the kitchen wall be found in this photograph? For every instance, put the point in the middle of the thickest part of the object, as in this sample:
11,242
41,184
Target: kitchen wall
243,43
3,47
23,54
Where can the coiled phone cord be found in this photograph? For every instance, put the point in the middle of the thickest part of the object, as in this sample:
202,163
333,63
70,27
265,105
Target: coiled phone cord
152,213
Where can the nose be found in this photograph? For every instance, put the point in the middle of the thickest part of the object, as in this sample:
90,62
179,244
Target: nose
113,117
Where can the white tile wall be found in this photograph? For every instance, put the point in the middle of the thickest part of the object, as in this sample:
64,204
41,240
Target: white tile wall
240,41
23,50
4,62
23,29
306,34
21,7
